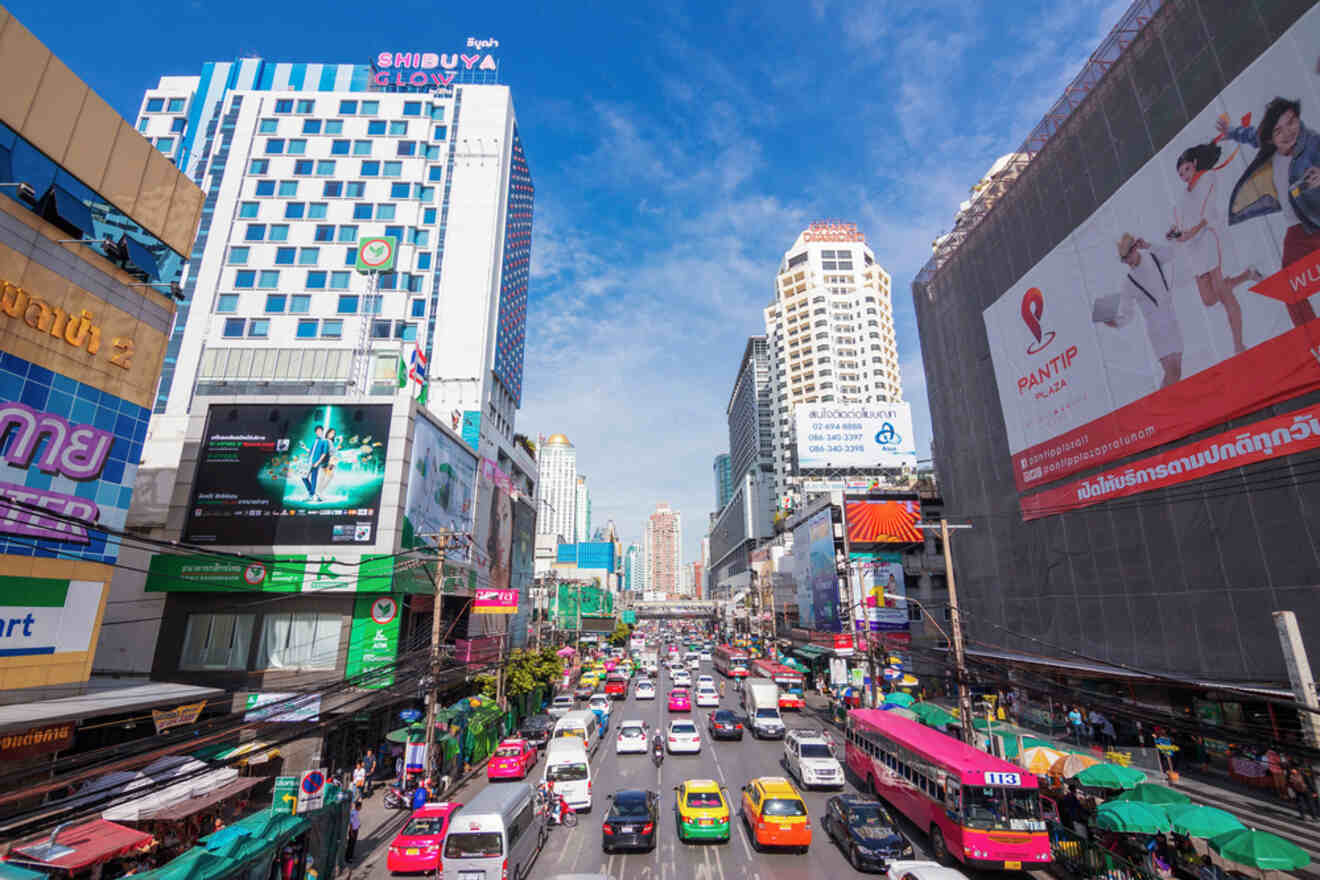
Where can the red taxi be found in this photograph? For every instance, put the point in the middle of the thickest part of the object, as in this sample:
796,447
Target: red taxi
513,759
680,700
417,847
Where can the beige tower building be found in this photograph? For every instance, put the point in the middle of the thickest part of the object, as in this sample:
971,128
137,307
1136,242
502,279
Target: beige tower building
664,548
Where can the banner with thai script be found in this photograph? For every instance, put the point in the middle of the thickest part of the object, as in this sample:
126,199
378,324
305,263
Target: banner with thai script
188,713
495,602
1262,441
35,741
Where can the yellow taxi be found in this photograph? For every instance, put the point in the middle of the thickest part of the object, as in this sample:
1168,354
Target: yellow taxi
589,679
775,814
701,810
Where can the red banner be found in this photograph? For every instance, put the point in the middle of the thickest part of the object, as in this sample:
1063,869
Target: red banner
1267,439
1276,370
495,602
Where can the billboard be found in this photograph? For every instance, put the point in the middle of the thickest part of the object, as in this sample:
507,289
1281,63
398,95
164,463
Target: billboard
802,573
373,640
883,522
442,480
823,577
522,569
289,474
1184,302
68,461
881,589
873,436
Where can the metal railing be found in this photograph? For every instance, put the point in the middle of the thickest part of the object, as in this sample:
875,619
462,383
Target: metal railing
1078,857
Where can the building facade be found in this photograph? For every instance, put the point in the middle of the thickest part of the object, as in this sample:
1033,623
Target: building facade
830,335
750,413
582,510
557,498
723,472
664,547
631,568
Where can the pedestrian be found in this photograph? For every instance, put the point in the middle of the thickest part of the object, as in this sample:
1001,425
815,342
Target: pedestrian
1278,777
1108,735
369,767
398,769
354,825
359,780
1075,724
1303,794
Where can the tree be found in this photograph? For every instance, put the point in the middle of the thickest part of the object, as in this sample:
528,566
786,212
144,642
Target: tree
619,637
524,672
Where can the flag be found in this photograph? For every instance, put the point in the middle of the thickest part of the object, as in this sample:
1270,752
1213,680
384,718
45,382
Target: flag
417,368
421,398
403,377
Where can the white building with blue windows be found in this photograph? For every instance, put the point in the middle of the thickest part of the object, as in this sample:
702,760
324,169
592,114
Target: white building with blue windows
297,162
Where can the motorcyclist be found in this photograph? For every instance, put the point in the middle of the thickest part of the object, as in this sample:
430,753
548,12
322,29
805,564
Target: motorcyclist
554,804
658,748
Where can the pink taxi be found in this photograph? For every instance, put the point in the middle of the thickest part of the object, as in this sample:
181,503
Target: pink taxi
680,700
417,846
513,759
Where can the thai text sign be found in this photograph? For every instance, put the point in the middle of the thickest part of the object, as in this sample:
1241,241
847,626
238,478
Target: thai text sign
188,713
495,602
36,741
373,640
872,436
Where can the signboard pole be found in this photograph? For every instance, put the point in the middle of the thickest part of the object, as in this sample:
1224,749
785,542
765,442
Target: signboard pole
873,697
442,543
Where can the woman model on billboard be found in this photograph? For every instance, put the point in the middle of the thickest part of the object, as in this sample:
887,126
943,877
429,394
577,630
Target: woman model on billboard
1198,219
1284,178
1147,284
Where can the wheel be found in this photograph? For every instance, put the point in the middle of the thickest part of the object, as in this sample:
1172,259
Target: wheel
854,857
939,849
570,819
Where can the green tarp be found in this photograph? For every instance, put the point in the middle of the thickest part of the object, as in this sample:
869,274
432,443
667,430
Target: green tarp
195,864
14,872
810,653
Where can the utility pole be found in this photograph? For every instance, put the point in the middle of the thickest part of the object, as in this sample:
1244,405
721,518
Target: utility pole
1299,672
442,539
955,624
864,632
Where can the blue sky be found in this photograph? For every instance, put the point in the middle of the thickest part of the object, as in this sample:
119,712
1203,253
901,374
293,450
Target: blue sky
676,156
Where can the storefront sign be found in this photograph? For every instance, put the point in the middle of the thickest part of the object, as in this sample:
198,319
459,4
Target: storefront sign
432,69
204,573
495,602
47,615
284,796
376,253
832,230
36,741
178,716
287,707
76,330
373,641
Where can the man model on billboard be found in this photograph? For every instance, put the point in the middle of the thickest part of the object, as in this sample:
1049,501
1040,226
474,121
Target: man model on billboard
316,459
1283,178
1147,284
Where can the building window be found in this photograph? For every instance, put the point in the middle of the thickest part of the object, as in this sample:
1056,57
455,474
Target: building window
238,256
217,641
398,127
265,188
234,327
384,212
393,168
362,211
315,280
354,189
288,189
311,126
284,256
307,328
259,166
424,260
406,148
245,278
419,308
309,256
425,193
269,280
347,108
370,168
348,234
300,640
259,328
325,167
438,112
348,305
339,148
275,303
300,304
361,148
405,331
441,132
279,232
274,146
142,123
155,105
435,173
412,108
316,211
376,126
350,256
284,105
370,108
306,105
303,167
227,303
428,215
339,280
334,126
165,144
399,190
421,237
294,210
268,126
178,125
325,233
332,189
332,328
380,329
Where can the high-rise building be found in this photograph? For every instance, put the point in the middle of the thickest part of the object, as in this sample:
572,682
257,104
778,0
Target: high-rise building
557,491
723,480
688,589
750,414
301,161
582,509
830,333
631,572
664,547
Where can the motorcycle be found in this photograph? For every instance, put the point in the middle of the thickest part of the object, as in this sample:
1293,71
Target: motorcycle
396,798
657,754
555,809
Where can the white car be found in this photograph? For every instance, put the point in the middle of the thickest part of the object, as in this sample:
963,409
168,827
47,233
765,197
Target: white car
708,697
705,656
920,870
705,681
808,756
683,736
644,691
560,706
632,739
694,663
682,678
599,703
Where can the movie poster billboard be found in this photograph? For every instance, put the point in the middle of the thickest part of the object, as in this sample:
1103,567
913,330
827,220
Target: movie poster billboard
442,476
884,522
824,577
872,436
1187,299
880,588
522,570
289,474
801,571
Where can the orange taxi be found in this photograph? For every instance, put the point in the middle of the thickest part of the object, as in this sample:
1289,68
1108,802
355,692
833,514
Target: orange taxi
775,814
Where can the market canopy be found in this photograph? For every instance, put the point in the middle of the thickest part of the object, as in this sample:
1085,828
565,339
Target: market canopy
193,805
1154,793
1199,820
80,846
810,652
1072,764
255,752
1260,849
1110,776
411,733
239,846
275,827
188,788
903,700
10,871
195,864
1039,759
932,715
1131,817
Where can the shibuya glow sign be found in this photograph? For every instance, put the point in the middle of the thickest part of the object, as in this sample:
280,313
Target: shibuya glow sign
429,68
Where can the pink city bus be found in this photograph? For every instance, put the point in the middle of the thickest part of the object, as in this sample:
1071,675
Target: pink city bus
978,809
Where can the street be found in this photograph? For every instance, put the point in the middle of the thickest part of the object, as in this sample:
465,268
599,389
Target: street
578,850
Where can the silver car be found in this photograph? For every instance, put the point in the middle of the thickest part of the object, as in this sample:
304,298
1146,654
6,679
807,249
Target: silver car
560,706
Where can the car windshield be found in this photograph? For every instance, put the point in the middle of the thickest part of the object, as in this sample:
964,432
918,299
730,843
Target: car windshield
574,772
632,731
563,732
724,716
704,799
784,807
424,825
508,751
683,728
767,713
816,750
632,808
986,807
563,701
871,816
474,845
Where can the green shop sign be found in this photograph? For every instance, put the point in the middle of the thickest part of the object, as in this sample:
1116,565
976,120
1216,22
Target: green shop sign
374,640
202,573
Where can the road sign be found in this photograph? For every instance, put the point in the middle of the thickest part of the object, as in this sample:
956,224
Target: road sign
285,794
376,253
311,791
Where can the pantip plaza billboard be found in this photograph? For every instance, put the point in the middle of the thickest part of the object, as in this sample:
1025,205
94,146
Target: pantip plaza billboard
1184,302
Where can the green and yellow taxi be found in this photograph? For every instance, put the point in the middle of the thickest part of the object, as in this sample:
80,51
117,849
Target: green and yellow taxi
701,811
589,679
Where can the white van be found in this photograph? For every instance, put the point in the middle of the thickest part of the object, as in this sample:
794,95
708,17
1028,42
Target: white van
582,724
566,765
497,834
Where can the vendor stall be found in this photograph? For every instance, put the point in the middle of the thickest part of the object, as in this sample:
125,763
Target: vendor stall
74,851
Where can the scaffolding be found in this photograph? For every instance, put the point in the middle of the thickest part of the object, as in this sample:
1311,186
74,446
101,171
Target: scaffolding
1138,15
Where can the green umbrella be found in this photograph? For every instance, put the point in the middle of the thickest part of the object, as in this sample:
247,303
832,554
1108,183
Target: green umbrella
1260,849
1109,776
1131,817
1153,793
932,715
411,733
897,699
1198,820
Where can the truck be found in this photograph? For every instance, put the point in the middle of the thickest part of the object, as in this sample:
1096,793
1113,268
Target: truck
760,701
651,661
616,686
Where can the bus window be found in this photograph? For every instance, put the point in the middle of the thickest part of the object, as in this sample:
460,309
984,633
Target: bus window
952,801
986,807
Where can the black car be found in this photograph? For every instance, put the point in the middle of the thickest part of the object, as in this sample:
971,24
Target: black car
723,724
864,830
537,729
632,820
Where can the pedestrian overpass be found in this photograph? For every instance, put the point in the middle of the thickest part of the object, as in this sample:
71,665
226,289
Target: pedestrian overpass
677,608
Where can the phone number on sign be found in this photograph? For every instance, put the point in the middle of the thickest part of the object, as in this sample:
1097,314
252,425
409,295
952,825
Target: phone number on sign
836,426
836,447
835,438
